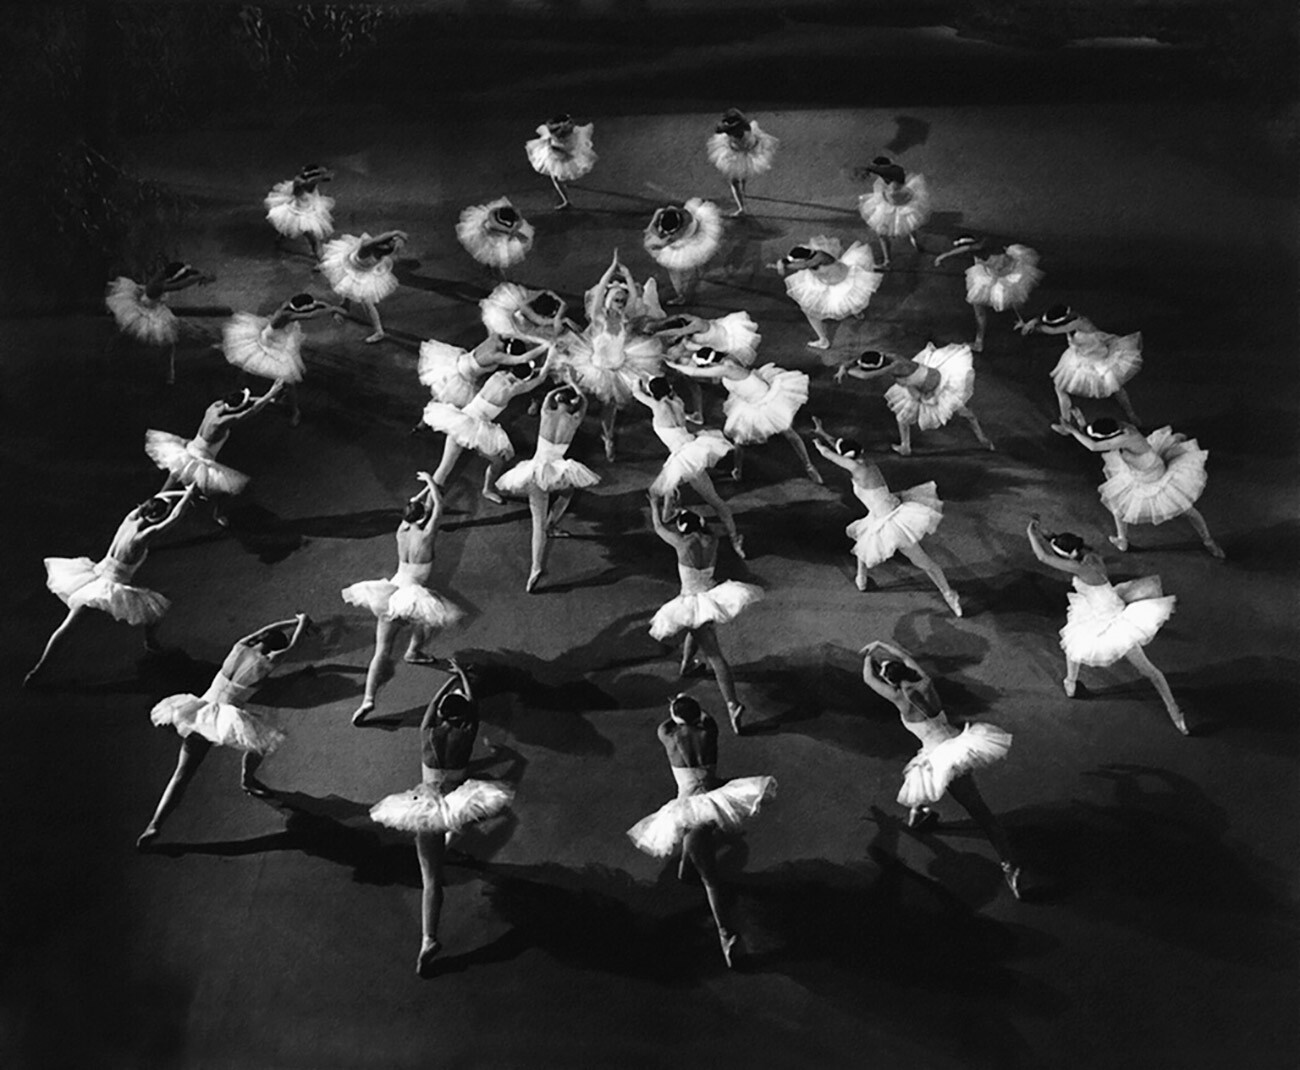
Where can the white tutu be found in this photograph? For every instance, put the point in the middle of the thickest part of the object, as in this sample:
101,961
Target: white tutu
763,404
695,247
726,808
1097,364
350,279
1005,280
896,214
218,722
927,776
754,157
1166,486
251,343
735,334
426,809
296,216
442,369
702,602
190,461
79,582
565,159
138,316
487,243
607,365
547,470
956,367
472,431
837,290
690,455
1104,623
894,521
403,598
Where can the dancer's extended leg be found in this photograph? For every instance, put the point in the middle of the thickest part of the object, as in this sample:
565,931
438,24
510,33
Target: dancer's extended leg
54,640
801,451
430,848
698,848
194,748
927,564
381,667
1138,659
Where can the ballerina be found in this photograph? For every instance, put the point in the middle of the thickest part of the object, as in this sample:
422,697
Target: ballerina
735,335
406,598
445,801
828,284
761,402
947,756
495,234
1094,365
297,209
536,315
896,207
82,584
895,523
702,602
927,391
454,375
683,238
361,269
1149,478
218,717
550,471
740,149
193,461
140,309
999,281
704,805
562,152
270,347
1106,623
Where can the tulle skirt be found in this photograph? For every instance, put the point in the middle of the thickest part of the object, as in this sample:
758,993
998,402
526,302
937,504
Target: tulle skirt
411,602
754,159
547,160
351,281
441,370
488,245
294,217
1104,625
692,250
756,419
548,474
689,460
484,437
138,316
735,334
878,536
607,365
426,809
956,368
1153,501
79,581
896,220
927,776
221,723
726,808
836,290
1003,290
251,343
717,605
171,453
499,307
1097,364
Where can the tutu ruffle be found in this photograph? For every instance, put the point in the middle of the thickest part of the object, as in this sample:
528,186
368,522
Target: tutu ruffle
411,602
251,343
442,369
138,316
754,157
690,458
1160,492
735,334
564,160
896,214
956,367
484,437
548,470
719,605
764,404
894,522
696,246
78,582
927,776
607,365
836,290
351,280
426,809
221,723
192,464
1104,623
726,808
1005,280
487,243
296,216
1097,364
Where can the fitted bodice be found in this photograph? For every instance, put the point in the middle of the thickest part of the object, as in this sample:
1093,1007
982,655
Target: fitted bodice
875,499
482,409
550,451
692,780
932,731
444,780
751,388
411,572
119,571
1099,596
695,580
1147,467
673,436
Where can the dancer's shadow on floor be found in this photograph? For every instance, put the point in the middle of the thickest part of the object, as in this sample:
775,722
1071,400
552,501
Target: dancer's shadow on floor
407,272
1274,549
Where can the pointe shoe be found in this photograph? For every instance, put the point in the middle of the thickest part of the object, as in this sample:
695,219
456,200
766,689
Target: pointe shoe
921,818
900,449
954,603
736,711
563,205
295,418
1180,722
30,679
146,838
254,787
493,496
531,585
1070,687
819,343
861,582
1119,542
609,447
419,657
424,961
689,668
728,943
1011,874
363,711
1061,429
977,346
738,544
1215,550
814,475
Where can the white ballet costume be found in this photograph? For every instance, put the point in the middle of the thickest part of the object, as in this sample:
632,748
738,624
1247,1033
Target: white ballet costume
548,470
488,242
1105,622
946,754
695,245
702,602
295,217
1158,486
608,364
563,158
1005,280
405,597
956,367
735,334
452,374
689,455
473,426
139,316
725,808
763,404
1097,364
835,291
250,342
105,585
218,717
896,213
349,277
893,521
192,462
444,801
744,157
